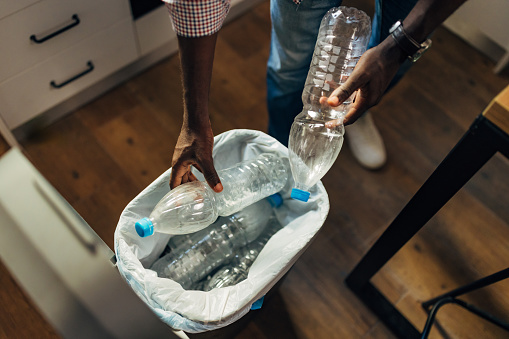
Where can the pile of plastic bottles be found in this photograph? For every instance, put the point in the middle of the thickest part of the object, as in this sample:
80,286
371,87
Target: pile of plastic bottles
221,254
207,242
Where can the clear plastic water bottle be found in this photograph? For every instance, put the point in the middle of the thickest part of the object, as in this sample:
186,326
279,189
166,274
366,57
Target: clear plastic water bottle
342,39
238,269
188,265
179,240
193,206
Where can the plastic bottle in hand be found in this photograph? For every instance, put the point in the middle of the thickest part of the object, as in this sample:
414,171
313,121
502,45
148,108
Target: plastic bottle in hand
188,265
342,39
193,206
238,269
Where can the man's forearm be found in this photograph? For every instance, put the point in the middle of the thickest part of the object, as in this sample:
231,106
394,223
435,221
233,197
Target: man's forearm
196,59
422,20
427,15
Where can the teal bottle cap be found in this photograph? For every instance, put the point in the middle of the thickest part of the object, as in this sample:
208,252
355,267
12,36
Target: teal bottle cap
300,194
275,200
144,227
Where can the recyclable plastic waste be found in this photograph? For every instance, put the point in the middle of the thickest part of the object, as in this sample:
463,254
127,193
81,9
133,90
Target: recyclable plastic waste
313,148
216,244
193,206
197,311
238,269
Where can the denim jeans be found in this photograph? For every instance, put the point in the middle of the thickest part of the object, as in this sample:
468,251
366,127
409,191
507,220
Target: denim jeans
293,38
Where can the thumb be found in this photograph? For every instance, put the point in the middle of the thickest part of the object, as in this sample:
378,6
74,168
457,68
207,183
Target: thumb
344,91
210,174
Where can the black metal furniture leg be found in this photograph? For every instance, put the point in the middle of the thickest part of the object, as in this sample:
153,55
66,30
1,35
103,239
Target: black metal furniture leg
450,297
474,149
483,282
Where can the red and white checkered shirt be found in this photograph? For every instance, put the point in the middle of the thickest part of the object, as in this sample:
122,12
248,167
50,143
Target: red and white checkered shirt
195,18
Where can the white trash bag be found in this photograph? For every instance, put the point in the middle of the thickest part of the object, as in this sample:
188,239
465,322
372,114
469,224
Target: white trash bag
198,311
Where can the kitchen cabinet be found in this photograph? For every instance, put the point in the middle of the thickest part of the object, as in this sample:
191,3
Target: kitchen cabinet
49,82
53,49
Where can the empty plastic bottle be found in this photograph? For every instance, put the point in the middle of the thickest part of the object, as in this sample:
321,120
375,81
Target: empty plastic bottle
188,265
193,206
187,239
238,269
342,39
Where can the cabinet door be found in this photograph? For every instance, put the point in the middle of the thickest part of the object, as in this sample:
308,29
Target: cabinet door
58,78
76,20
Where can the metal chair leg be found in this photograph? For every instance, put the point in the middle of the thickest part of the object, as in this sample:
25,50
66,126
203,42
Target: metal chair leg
475,148
450,297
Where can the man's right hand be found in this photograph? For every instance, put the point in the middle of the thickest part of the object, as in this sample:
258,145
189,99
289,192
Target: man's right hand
194,148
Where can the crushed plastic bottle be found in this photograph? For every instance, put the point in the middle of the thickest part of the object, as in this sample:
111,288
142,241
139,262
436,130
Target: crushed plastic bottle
342,39
188,265
193,206
237,270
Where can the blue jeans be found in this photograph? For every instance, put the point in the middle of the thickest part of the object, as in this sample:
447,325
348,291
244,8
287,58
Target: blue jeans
293,38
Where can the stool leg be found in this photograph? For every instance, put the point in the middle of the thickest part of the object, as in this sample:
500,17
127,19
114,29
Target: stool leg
474,149
483,282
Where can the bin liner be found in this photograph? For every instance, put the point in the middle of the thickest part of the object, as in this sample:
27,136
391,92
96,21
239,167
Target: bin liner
198,311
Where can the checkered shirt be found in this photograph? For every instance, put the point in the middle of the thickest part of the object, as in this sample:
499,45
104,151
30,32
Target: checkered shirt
195,18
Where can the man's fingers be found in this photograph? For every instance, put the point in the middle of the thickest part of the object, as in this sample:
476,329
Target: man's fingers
344,91
358,108
339,95
333,123
192,177
352,116
177,172
210,174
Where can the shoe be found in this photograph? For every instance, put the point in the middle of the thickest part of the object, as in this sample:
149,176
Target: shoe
366,143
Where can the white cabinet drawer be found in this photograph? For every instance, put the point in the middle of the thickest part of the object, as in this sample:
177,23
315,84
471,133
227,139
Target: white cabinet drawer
31,93
49,16
8,7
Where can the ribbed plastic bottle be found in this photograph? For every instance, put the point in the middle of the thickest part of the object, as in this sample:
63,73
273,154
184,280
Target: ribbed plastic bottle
342,39
188,265
193,206
238,269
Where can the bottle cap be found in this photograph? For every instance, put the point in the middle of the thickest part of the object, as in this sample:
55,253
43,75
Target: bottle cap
144,227
300,194
275,200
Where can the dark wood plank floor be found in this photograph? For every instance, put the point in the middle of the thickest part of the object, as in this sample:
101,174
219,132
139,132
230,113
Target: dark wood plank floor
100,156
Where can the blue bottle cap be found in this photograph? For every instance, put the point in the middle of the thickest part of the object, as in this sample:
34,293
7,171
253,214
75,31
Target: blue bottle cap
300,194
275,200
257,304
144,227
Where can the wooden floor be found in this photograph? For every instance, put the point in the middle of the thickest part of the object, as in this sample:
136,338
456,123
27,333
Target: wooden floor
102,155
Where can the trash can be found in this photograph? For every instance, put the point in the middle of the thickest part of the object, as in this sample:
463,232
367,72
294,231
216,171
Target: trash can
73,277
197,311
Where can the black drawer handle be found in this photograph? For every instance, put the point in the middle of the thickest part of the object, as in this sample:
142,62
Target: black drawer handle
75,22
90,68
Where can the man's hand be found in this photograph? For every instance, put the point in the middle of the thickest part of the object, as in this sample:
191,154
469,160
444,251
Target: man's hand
377,66
194,148
368,81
